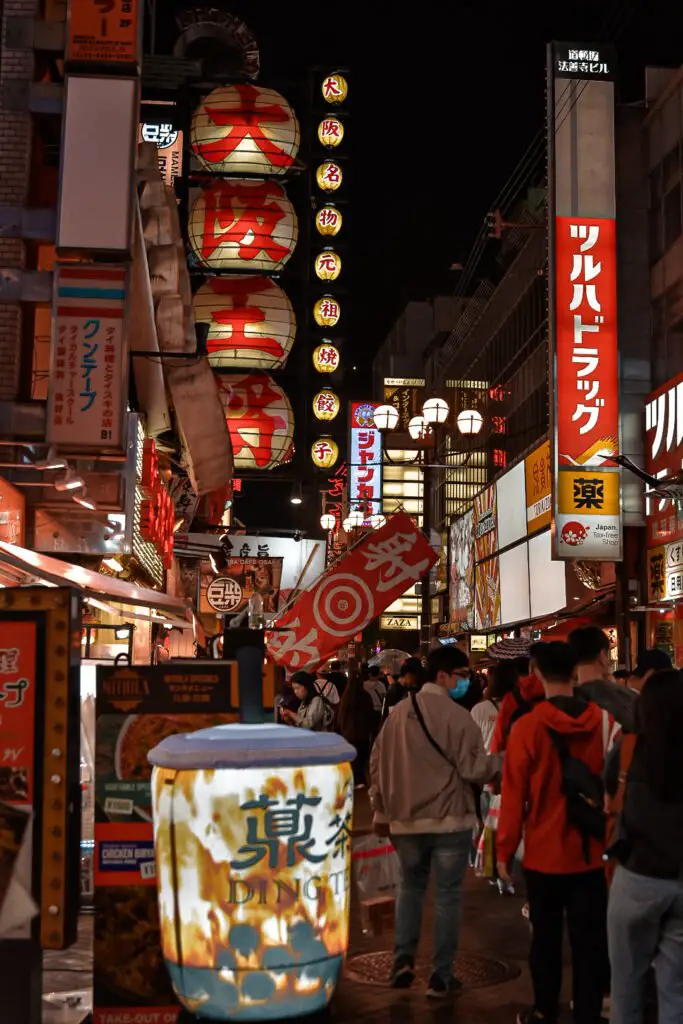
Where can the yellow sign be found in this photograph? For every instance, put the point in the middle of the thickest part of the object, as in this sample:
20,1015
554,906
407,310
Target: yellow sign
326,405
335,88
329,176
584,493
538,486
326,358
328,265
399,622
665,572
324,453
478,643
328,220
331,132
104,33
327,311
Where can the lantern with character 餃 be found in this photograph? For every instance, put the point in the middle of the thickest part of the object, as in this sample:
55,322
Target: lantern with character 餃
326,405
252,833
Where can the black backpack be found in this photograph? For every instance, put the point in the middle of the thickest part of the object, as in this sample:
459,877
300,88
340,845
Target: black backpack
524,706
584,792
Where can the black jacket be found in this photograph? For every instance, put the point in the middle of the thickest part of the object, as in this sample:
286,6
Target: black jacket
651,830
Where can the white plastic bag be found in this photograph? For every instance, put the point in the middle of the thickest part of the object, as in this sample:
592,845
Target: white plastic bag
376,874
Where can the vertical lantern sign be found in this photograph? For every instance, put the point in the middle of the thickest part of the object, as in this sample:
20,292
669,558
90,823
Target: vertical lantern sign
583,297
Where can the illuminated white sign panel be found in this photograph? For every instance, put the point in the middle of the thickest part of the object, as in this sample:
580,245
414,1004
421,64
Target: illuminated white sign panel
365,462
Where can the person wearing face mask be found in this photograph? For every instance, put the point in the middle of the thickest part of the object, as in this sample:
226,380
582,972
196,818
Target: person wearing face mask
423,765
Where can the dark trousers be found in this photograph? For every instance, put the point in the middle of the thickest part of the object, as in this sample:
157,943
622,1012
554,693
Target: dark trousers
583,897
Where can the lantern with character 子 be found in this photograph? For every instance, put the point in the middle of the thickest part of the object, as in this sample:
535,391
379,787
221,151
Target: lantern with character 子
326,405
245,129
328,265
260,419
330,132
254,906
327,311
329,176
243,225
328,221
326,358
251,322
324,453
335,88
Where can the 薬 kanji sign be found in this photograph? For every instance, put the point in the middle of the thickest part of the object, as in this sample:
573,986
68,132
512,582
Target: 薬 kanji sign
347,598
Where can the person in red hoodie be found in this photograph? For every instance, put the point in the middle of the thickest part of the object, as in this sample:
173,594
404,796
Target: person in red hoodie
520,700
563,865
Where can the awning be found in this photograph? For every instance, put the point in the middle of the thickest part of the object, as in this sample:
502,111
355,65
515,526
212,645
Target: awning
92,584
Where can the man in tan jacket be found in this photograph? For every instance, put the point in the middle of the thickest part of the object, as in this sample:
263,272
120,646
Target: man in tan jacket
423,764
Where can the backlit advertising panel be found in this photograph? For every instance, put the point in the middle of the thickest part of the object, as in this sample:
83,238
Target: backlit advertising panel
365,460
583,298
664,459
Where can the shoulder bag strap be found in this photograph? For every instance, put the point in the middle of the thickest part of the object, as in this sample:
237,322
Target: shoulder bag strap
425,730
628,745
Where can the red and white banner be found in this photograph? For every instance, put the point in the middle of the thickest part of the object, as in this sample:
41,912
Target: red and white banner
346,599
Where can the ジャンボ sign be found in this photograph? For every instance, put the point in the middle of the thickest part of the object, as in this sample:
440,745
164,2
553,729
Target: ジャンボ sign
365,459
88,377
583,257
105,33
664,459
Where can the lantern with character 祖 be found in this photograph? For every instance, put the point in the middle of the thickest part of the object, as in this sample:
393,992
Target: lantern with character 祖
324,453
240,224
245,129
326,405
251,322
335,88
326,311
330,132
329,176
328,265
328,221
259,417
326,358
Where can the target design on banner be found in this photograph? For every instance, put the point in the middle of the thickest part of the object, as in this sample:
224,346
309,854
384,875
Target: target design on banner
343,605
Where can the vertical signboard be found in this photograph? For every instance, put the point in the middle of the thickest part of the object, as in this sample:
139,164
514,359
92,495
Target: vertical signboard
88,376
104,32
487,572
583,298
664,459
169,143
365,460
538,488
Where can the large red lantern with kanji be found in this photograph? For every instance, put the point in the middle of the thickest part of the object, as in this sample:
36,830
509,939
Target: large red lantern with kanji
245,129
240,224
259,417
251,322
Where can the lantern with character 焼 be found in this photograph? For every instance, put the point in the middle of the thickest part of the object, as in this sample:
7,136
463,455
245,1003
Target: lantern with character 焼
260,419
326,358
251,322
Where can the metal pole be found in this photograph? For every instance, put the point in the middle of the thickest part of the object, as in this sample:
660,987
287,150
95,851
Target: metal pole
425,616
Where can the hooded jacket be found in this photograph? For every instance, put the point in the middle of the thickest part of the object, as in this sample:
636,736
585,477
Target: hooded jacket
414,788
618,700
532,801
531,689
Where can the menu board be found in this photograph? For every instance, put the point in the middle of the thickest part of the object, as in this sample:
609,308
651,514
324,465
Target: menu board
136,708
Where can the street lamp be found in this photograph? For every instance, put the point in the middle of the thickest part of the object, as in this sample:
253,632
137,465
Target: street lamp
377,521
435,410
327,521
356,518
470,421
386,417
419,428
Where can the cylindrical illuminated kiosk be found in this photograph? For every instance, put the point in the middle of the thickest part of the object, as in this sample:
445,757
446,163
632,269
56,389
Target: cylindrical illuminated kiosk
252,831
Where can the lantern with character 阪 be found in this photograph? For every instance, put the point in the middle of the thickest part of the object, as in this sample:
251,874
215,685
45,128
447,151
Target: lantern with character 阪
259,417
330,132
251,322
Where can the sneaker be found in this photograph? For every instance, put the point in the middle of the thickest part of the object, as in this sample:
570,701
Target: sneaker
403,974
440,989
533,1017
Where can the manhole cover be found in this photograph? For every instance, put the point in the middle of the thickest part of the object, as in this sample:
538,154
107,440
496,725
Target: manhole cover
474,971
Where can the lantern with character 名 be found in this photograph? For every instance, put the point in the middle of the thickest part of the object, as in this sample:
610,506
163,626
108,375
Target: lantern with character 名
239,224
260,419
325,405
251,322
326,358
252,835
329,176
324,453
245,129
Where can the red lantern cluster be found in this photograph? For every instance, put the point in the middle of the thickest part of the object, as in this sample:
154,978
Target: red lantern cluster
157,514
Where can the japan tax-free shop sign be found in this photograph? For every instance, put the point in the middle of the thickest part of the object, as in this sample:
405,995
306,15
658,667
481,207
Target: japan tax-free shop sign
583,303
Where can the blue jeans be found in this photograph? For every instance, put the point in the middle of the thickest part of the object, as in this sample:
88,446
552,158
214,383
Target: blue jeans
448,852
644,927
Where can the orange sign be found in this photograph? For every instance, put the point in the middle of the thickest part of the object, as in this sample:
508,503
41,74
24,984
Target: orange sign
538,488
586,341
104,31
12,514
17,710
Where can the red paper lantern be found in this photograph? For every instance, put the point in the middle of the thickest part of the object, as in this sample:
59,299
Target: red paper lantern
259,417
251,322
243,225
245,129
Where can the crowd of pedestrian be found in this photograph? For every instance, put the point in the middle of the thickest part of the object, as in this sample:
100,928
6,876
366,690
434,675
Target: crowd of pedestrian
568,778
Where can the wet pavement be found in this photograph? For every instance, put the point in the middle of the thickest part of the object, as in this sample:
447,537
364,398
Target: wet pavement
494,946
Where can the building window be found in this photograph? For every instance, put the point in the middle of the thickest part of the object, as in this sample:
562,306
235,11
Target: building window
672,216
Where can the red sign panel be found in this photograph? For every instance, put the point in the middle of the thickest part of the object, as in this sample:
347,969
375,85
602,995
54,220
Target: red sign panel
664,458
17,711
157,512
346,599
587,356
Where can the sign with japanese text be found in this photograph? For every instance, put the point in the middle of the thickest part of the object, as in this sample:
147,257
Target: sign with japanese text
18,641
538,473
347,598
88,376
12,514
108,32
584,61
487,573
229,593
665,572
407,396
135,709
169,143
664,459
365,459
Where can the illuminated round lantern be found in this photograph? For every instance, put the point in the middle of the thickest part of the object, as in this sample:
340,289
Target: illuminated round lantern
326,405
327,311
329,176
378,521
326,358
240,224
327,521
259,417
328,265
324,453
335,88
252,839
251,322
330,132
328,221
245,129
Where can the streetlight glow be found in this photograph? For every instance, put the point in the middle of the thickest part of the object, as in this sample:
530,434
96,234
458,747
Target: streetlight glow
419,428
435,410
470,421
386,417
